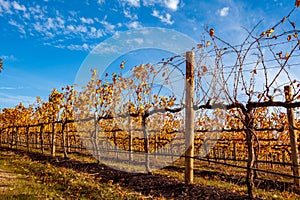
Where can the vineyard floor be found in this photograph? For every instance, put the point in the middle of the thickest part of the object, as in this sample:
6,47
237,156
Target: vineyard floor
61,176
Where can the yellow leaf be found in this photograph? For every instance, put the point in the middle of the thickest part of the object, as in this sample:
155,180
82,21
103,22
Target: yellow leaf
262,34
269,32
295,35
207,43
287,55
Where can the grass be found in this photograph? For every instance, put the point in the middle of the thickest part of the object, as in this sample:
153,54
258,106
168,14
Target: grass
36,180
217,181
40,180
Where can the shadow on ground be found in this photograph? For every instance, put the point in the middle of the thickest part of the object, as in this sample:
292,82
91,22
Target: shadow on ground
147,184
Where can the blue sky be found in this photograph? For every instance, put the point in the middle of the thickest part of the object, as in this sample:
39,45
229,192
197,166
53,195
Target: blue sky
44,42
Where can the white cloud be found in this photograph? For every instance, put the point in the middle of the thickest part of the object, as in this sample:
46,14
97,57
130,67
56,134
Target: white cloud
135,3
11,88
19,26
108,26
100,2
83,47
70,27
81,28
134,25
106,48
87,20
172,4
16,99
223,12
94,33
10,57
135,40
129,15
5,6
165,19
17,6
59,28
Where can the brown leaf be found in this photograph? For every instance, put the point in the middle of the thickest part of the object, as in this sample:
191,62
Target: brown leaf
289,37
297,3
211,32
293,24
204,68
279,54
199,46
283,20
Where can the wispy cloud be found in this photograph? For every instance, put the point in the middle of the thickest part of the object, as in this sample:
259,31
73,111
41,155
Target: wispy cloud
11,88
5,6
134,25
223,12
19,26
83,47
165,19
127,14
100,2
18,6
110,28
135,3
8,57
87,20
135,41
16,99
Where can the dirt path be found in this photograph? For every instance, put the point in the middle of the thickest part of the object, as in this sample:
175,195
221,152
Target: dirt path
6,180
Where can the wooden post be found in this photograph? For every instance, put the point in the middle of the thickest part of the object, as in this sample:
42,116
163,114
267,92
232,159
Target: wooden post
64,140
17,137
53,140
293,137
251,153
1,133
189,118
146,145
27,138
130,138
42,138
95,138
12,138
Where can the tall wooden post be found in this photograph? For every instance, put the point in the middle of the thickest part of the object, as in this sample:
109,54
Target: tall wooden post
293,137
146,145
64,140
27,138
130,138
42,138
251,153
53,139
189,118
